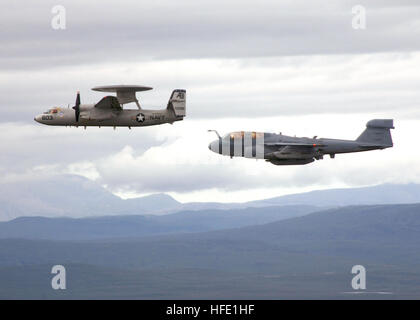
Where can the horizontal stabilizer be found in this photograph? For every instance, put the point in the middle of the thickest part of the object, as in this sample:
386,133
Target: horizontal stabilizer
381,123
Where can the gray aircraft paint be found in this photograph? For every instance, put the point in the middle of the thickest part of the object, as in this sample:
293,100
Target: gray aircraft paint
240,144
285,150
108,112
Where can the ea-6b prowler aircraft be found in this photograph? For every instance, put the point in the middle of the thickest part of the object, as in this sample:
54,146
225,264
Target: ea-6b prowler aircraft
109,110
284,150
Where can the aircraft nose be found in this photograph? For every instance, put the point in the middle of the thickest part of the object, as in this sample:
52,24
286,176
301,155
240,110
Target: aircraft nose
214,146
38,119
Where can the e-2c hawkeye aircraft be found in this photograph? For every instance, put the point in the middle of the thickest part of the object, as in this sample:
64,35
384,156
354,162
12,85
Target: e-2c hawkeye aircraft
109,110
285,150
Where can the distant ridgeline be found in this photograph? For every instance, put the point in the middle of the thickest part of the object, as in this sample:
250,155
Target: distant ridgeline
75,196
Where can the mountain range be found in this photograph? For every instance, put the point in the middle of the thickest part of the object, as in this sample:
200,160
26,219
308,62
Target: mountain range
293,246
75,196
133,226
310,256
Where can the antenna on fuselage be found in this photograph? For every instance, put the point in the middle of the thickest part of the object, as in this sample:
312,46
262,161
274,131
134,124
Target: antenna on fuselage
215,131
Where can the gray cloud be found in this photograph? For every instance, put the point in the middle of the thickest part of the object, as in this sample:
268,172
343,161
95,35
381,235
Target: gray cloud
386,84
101,31
245,65
236,58
25,147
176,159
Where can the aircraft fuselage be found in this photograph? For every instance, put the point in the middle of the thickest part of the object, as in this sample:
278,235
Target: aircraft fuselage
280,149
120,118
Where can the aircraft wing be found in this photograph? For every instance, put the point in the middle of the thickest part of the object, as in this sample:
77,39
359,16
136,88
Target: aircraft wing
293,150
293,144
108,103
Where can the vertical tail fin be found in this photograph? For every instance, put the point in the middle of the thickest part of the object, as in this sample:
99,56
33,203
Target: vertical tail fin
377,133
177,102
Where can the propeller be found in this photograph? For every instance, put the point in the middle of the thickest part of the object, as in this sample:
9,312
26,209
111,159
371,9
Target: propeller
77,106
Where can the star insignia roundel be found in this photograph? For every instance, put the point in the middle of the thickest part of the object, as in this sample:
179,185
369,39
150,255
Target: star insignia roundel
140,117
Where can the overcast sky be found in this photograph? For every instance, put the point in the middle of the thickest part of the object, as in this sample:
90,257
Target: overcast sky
296,67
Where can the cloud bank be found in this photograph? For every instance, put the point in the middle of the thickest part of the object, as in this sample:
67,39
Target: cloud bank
295,66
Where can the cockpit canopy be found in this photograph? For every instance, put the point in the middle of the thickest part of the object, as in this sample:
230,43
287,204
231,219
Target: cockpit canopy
235,135
240,134
53,110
